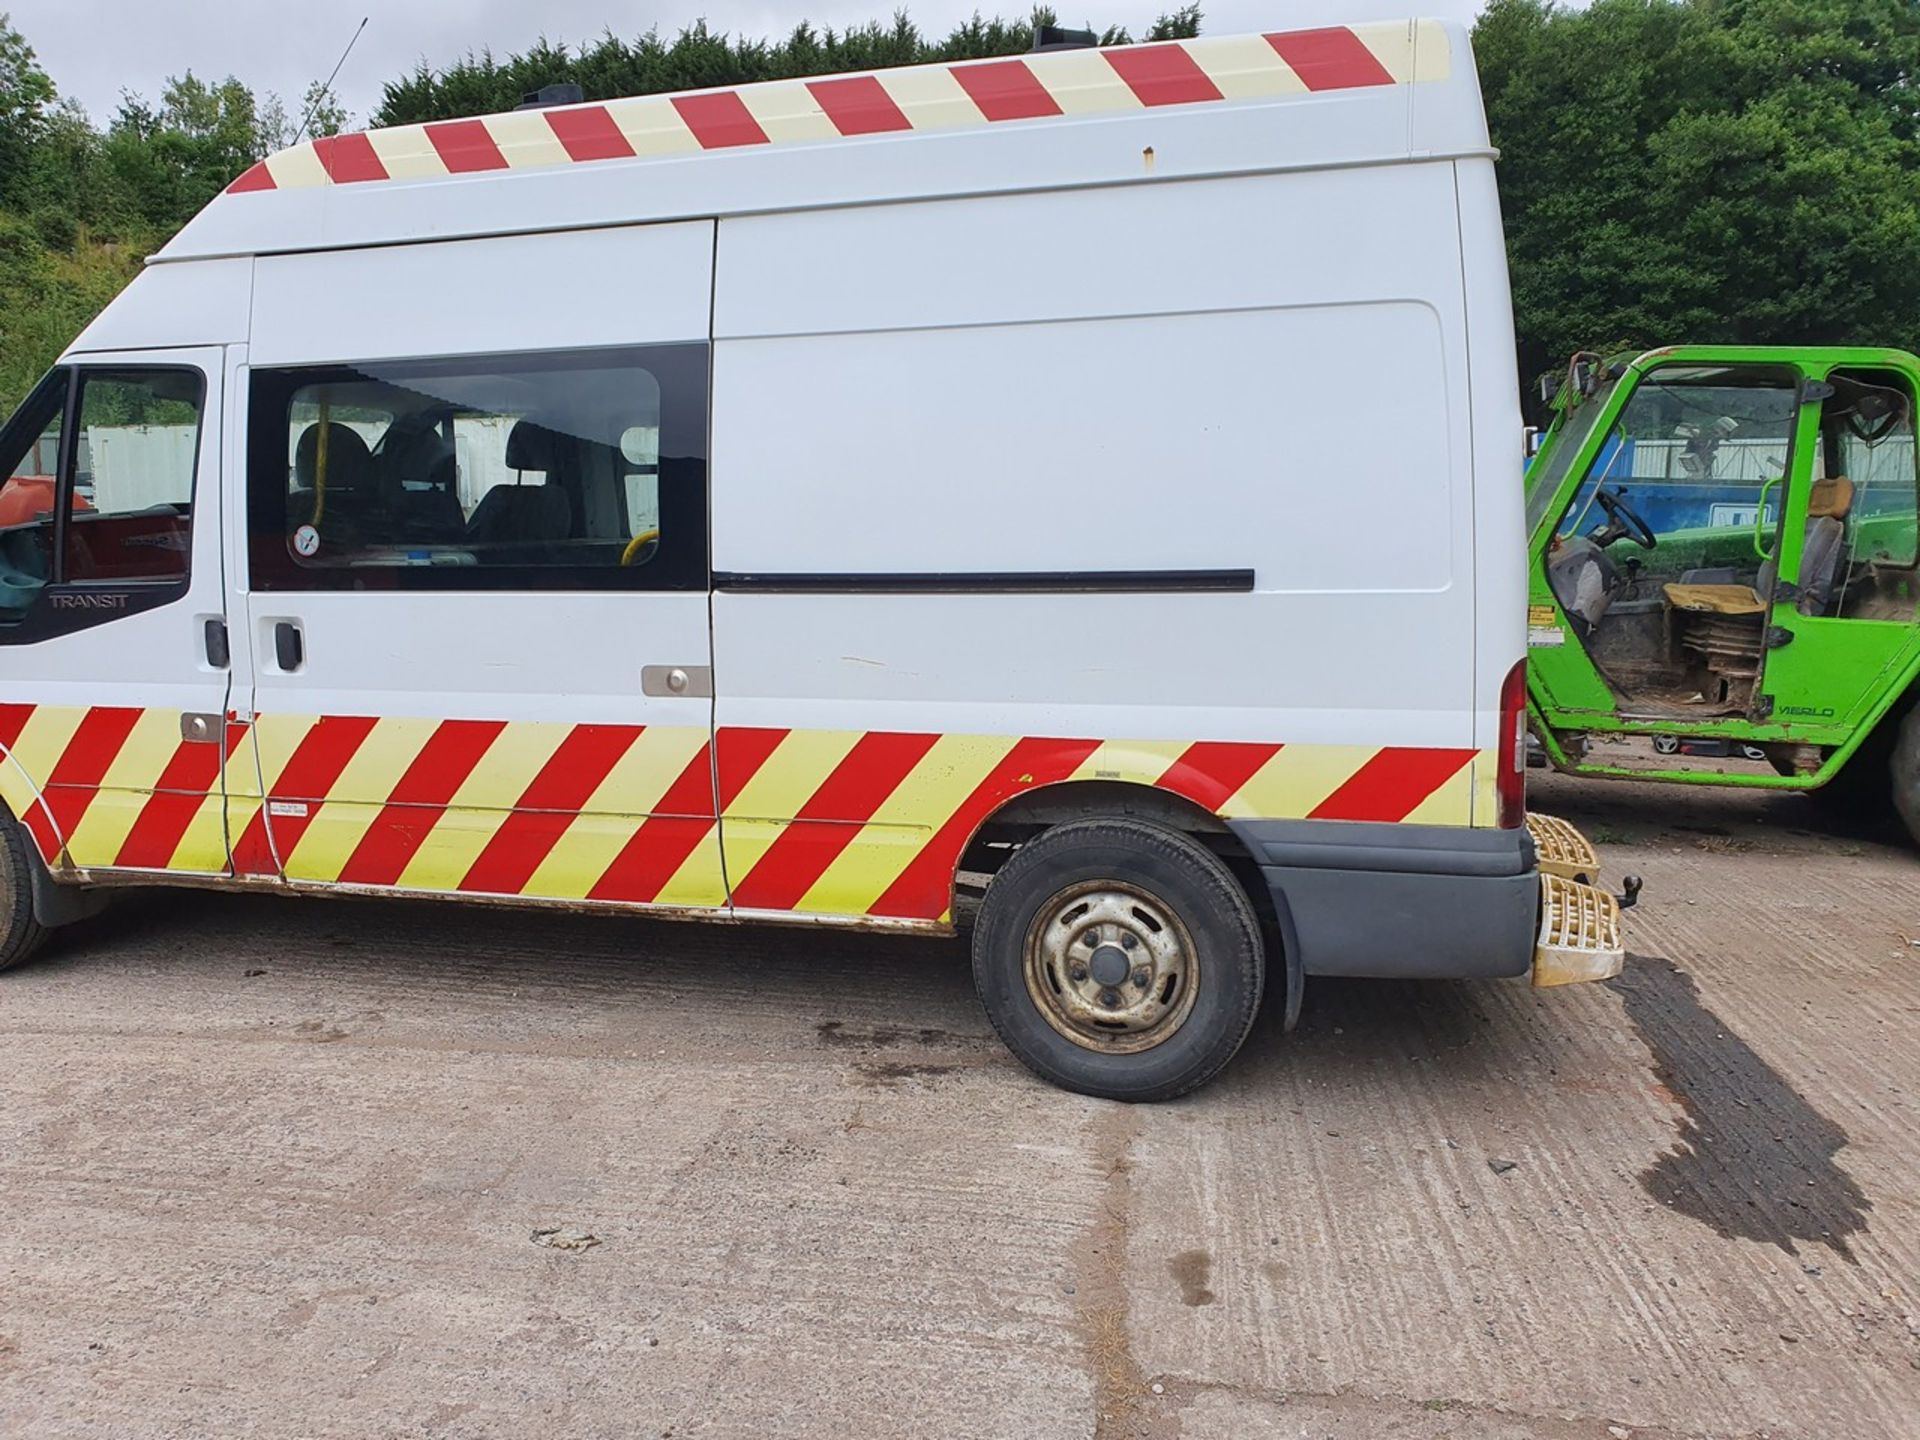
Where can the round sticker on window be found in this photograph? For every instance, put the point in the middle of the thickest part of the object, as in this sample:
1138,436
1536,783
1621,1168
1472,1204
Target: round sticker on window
306,542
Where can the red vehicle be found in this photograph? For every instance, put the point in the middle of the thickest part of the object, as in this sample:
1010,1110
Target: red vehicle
26,498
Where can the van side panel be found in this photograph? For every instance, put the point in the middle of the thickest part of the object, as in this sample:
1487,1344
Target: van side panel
1499,525
204,302
1218,424
569,291
1405,900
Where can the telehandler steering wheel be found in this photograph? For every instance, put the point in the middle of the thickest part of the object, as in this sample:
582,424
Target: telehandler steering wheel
637,544
1621,521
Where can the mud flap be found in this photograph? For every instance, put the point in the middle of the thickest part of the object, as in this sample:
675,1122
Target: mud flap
55,904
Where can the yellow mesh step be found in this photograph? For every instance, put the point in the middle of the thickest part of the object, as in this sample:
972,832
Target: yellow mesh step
1563,850
1579,934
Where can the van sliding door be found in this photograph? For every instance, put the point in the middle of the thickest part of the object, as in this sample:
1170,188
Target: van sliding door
478,568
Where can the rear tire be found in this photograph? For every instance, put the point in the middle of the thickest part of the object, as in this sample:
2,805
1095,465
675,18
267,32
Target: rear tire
1120,959
1905,768
20,933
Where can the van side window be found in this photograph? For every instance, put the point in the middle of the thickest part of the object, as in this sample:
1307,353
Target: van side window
530,471
123,496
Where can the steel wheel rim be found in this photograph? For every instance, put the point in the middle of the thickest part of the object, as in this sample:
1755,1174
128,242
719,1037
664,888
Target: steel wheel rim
1075,950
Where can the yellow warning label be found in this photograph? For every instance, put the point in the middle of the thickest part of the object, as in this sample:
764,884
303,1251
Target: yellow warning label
1541,616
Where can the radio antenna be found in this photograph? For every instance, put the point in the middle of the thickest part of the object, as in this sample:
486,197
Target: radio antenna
327,88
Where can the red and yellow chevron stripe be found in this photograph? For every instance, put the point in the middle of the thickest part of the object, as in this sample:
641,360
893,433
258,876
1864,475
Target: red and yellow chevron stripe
115,787
819,822
921,97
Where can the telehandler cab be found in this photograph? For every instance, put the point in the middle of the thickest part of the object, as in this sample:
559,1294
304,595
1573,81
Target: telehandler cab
1724,569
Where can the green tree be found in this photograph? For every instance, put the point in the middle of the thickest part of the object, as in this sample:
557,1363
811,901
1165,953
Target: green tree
1707,170
47,296
173,158
26,95
698,58
320,113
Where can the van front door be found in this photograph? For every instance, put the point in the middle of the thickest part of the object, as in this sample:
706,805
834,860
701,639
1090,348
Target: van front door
478,610
113,729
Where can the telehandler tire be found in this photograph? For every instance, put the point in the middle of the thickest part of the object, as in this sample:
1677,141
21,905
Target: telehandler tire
1863,791
1905,765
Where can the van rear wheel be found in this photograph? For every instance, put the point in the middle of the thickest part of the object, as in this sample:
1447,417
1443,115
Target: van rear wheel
1119,959
20,933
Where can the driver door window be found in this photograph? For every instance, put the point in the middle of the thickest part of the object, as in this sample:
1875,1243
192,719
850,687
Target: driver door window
30,497
117,510
136,441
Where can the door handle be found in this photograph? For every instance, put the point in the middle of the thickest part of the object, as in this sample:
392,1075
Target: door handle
219,653
686,680
289,650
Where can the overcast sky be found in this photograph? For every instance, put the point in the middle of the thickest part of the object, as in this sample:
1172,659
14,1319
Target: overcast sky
94,49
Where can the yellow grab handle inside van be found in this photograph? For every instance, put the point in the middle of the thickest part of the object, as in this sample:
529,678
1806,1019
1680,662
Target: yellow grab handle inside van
633,545
320,462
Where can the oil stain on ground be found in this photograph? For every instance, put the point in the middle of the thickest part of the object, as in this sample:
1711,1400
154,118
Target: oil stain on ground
887,1073
1753,1159
1191,1270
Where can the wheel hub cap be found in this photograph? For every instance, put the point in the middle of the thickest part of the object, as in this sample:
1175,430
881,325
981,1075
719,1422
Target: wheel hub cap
1111,967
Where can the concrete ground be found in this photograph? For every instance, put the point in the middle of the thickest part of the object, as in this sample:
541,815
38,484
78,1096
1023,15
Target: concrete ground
273,1167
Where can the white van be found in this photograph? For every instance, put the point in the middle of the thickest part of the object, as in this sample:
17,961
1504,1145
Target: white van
1075,490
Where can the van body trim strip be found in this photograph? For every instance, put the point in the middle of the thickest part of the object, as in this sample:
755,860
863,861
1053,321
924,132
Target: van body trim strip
991,582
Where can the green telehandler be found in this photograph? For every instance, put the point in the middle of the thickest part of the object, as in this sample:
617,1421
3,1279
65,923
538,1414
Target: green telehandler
1724,572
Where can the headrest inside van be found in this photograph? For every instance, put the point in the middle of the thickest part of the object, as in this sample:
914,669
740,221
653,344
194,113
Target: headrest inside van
348,459
532,446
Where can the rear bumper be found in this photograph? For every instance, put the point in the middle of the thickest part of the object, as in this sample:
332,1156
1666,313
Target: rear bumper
1437,902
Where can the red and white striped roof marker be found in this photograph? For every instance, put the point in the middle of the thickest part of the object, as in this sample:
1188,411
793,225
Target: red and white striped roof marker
977,93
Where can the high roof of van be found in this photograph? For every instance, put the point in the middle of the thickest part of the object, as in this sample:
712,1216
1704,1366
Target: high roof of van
1302,99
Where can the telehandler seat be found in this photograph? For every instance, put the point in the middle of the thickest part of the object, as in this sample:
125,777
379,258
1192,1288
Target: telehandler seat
1820,562
1724,624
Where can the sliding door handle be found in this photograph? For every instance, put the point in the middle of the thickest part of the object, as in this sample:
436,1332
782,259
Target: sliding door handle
686,680
289,648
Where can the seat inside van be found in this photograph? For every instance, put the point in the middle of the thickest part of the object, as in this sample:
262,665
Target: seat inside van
419,477
346,493
538,511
